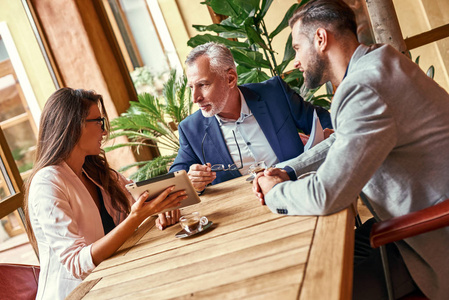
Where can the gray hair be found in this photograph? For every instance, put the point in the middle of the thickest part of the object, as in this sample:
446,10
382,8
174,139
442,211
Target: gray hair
220,57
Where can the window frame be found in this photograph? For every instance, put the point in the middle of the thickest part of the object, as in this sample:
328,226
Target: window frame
14,201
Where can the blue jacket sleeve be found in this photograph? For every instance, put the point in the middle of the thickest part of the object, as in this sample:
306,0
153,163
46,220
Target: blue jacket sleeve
186,156
303,111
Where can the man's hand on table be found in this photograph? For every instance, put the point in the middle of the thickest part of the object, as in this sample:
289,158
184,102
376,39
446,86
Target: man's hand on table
265,181
168,218
200,176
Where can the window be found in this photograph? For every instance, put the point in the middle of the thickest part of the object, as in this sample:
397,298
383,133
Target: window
144,41
19,114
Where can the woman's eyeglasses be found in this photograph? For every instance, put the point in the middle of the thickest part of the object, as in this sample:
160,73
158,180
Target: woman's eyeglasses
100,121
221,167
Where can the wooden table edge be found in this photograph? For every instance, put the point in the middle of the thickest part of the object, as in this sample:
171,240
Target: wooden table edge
316,283
82,290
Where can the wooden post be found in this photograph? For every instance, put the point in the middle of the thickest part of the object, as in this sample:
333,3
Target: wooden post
385,24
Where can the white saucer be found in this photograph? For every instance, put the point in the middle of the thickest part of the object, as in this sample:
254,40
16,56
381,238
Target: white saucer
184,234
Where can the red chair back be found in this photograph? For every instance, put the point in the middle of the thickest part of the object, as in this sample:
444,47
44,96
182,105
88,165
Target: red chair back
18,281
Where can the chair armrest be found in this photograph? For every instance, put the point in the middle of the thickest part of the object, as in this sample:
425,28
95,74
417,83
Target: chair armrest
421,221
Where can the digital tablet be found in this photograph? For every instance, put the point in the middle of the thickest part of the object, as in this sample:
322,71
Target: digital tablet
158,184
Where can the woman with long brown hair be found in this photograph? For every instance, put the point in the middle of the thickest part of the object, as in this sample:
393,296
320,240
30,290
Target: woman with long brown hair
78,211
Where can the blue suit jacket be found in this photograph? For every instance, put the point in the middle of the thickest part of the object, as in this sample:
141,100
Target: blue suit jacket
279,111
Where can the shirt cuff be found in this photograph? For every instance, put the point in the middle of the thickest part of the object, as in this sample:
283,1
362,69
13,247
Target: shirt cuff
291,173
87,263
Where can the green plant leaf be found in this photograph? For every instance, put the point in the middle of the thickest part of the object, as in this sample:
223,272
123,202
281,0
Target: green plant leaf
169,90
147,123
289,52
202,39
249,59
252,76
321,101
131,134
289,55
223,7
136,164
142,122
253,36
308,94
177,98
294,76
431,71
417,60
242,69
230,22
264,8
408,53
329,88
223,30
184,99
249,6
281,67
110,148
148,105
284,22
239,10
151,168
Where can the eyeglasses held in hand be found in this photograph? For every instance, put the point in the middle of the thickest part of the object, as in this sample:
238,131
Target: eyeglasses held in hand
221,167
100,121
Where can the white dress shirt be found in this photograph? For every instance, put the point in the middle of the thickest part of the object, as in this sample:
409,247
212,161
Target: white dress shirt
253,144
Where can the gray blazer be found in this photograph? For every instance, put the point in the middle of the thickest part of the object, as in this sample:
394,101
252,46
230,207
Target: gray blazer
391,141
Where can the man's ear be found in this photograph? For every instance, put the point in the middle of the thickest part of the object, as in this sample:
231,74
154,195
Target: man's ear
321,39
232,78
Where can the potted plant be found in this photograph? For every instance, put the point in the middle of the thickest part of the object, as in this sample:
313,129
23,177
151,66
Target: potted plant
152,122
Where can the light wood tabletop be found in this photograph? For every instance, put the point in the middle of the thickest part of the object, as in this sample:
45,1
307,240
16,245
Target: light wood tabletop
248,253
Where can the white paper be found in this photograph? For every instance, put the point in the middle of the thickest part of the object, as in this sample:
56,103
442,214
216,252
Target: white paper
316,135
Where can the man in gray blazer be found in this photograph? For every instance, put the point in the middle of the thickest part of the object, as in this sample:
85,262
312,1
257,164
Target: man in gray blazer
391,142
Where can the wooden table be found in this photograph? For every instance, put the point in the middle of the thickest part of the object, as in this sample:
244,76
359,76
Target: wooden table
249,253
